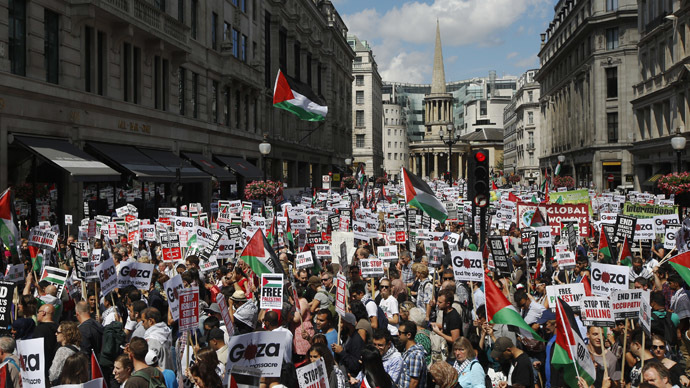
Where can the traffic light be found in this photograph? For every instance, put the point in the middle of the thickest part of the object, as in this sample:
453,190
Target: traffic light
478,179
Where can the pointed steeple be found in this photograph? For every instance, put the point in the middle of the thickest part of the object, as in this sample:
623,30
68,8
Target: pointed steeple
438,76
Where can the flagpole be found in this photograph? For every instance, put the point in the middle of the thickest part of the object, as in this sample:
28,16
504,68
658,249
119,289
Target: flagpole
667,257
603,352
559,309
642,356
625,343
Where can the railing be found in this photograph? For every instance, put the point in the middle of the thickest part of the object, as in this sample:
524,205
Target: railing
530,146
146,15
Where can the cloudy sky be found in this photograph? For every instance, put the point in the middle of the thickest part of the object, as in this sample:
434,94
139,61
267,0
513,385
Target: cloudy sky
477,35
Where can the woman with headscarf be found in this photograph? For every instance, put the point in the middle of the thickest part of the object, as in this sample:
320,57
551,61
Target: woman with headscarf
23,328
444,375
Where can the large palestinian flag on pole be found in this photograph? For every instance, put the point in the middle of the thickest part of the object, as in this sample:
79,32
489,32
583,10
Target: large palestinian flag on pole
570,352
681,263
259,255
604,247
299,99
419,195
499,310
8,228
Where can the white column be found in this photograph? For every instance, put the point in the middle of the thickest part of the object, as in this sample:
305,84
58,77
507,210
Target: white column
435,175
423,165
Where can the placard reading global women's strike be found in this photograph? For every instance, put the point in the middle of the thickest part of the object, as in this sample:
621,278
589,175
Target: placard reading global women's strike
596,311
272,291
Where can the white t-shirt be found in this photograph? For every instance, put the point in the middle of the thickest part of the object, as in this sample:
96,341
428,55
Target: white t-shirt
390,307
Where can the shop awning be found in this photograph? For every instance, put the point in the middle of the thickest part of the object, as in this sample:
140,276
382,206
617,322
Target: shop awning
241,166
652,180
210,167
131,159
80,165
172,162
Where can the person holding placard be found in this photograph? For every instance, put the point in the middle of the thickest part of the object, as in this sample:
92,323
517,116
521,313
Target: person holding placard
640,353
598,352
336,378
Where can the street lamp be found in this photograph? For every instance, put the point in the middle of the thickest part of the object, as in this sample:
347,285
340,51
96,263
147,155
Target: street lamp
264,149
678,144
452,139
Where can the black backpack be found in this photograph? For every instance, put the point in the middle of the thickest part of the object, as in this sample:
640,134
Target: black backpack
487,379
381,317
665,328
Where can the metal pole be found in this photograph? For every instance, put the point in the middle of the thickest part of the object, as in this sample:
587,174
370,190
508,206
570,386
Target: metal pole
450,160
679,160
264,165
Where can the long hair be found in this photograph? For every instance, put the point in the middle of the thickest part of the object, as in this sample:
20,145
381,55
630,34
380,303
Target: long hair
75,370
325,353
372,365
207,374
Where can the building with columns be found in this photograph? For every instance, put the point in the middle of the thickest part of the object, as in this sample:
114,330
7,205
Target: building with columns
367,111
589,66
107,101
660,98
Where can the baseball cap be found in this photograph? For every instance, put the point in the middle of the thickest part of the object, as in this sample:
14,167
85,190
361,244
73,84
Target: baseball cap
546,315
216,334
501,345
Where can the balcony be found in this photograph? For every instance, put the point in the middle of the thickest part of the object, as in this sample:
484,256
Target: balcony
530,147
139,14
363,66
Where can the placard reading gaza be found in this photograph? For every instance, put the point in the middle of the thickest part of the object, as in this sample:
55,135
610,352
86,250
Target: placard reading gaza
135,274
107,276
33,363
596,311
626,303
569,293
607,277
260,350
467,266
172,289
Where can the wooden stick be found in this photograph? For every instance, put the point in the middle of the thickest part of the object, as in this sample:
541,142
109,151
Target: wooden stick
642,357
340,325
603,352
667,257
625,343
188,343
98,309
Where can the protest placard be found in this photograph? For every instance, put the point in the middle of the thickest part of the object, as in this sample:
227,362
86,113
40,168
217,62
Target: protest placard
56,276
569,293
607,277
313,375
225,314
135,274
107,276
42,238
644,229
172,290
626,303
372,267
323,251
189,309
544,238
6,294
624,228
566,260
532,247
434,251
467,266
271,291
596,311
304,260
499,254
340,294
265,347
388,253
645,314
33,366
14,273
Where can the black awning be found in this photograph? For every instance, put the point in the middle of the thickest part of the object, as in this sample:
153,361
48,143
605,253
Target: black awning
81,166
131,159
241,166
172,162
210,167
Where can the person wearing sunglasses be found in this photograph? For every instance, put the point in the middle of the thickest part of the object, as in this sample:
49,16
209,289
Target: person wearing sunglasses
389,305
677,373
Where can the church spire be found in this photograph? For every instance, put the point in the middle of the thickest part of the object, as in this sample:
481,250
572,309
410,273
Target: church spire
438,76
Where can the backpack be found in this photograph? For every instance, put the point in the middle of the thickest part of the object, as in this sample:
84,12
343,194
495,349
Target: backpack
155,379
381,317
665,328
113,338
487,379
331,299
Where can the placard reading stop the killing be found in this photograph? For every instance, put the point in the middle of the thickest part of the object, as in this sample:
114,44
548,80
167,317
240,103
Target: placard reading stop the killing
596,311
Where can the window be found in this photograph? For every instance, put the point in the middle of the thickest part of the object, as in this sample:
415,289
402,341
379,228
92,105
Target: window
226,107
88,54
360,97
282,49
160,4
181,75
246,112
126,70
612,38
389,144
359,118
235,43
243,48
482,108
611,5
359,80
195,4
395,156
318,76
267,49
612,127
530,117
214,29
243,5
389,156
309,69
180,11
530,96
359,141
226,31
51,45
298,60
662,57
17,36
195,95
237,109
234,2
214,102
389,131
612,82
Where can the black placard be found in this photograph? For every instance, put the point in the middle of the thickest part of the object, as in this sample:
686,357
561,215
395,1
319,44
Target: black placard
313,238
625,228
498,251
6,294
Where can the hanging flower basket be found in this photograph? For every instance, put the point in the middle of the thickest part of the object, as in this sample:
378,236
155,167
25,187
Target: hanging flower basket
348,182
260,190
674,183
563,181
514,178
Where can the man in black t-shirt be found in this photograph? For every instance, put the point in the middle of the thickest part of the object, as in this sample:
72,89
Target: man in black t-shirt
450,328
520,371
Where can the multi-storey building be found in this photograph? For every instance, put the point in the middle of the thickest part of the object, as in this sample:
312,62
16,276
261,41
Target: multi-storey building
522,130
395,146
588,63
367,138
660,101
112,98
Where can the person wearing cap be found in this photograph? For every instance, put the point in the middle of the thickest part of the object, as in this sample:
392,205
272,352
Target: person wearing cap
216,340
272,323
521,371
349,354
143,373
159,336
243,313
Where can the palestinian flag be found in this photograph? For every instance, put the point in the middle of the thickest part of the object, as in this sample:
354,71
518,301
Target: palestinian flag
626,253
96,371
272,232
260,256
604,246
419,195
361,176
560,200
546,191
493,185
558,169
681,263
8,226
36,257
54,275
513,198
288,238
299,99
571,353
588,285
537,219
499,310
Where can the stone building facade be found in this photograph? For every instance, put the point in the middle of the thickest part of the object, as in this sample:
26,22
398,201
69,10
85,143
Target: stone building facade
395,143
522,131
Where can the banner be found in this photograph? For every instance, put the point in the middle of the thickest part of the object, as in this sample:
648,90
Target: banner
573,197
33,363
272,291
172,290
189,309
313,375
371,267
642,210
107,275
467,266
135,274
6,294
261,350
572,294
555,213
596,311
607,277
626,303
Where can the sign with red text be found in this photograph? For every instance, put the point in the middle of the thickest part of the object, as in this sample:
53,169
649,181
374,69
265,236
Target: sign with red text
340,294
272,291
596,311
571,294
467,266
189,308
626,303
371,267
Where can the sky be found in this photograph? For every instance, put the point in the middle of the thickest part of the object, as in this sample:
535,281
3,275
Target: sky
477,35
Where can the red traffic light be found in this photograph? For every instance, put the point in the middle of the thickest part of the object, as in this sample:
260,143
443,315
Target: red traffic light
480,157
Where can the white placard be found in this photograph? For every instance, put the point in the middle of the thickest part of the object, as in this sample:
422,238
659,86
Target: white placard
607,277
304,260
467,266
569,293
